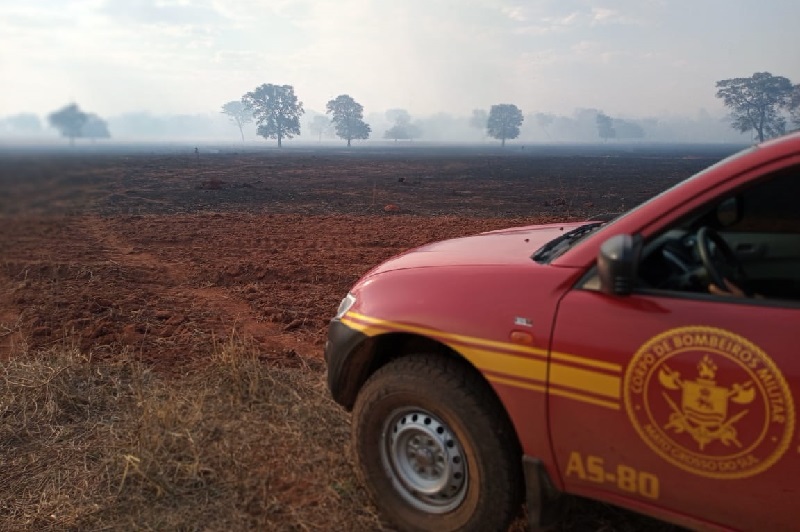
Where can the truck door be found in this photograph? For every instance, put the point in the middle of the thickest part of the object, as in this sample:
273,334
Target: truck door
684,401
685,404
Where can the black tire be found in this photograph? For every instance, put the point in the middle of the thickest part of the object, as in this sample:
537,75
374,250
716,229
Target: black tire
434,448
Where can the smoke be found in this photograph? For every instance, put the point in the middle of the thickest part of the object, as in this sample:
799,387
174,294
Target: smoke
538,127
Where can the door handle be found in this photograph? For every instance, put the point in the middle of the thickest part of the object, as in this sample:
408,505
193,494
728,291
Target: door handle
747,250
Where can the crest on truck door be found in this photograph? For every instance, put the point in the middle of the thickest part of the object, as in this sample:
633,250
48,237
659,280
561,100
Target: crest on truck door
710,402
703,412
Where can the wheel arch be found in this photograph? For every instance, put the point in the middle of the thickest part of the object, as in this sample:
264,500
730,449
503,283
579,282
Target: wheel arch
376,351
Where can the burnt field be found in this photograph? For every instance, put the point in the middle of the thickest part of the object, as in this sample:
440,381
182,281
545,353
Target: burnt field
175,259
164,251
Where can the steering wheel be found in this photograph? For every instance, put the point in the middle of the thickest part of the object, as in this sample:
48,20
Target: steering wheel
720,262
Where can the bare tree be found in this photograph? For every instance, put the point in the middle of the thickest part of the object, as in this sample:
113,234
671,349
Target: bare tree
544,120
239,114
320,125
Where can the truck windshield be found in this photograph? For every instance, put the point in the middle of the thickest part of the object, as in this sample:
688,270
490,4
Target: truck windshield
559,245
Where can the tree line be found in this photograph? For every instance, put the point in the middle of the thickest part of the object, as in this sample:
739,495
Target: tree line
762,103
277,111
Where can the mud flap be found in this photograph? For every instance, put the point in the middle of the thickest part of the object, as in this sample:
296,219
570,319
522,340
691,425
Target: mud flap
543,500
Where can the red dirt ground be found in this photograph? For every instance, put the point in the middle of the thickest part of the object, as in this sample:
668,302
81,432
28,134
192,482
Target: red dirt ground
171,286
168,254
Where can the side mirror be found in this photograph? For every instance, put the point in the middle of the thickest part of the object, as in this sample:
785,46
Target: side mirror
617,264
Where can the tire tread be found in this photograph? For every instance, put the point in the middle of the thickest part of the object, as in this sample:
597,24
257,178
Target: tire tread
462,392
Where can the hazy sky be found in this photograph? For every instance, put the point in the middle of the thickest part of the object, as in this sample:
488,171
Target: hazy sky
627,57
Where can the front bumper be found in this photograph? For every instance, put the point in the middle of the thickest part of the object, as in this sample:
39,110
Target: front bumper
347,361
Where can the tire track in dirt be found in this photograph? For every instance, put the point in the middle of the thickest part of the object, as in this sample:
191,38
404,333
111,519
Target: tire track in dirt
230,315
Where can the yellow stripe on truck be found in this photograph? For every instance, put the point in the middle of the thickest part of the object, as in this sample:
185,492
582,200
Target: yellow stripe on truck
514,365
585,380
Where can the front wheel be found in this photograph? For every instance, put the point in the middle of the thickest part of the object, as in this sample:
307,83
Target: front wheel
435,450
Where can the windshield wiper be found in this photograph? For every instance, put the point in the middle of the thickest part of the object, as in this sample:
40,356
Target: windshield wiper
562,243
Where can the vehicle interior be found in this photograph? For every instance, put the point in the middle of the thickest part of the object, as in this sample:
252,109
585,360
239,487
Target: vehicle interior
750,239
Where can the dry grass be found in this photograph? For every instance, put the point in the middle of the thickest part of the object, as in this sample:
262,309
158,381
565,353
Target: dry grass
232,444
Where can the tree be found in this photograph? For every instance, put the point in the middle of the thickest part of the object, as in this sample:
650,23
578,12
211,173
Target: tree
95,128
625,129
398,116
347,117
402,129
69,121
441,126
402,132
320,125
756,102
794,106
504,121
605,127
276,110
544,121
22,123
239,114
479,119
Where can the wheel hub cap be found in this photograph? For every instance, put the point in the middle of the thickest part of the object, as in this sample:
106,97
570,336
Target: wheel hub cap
424,460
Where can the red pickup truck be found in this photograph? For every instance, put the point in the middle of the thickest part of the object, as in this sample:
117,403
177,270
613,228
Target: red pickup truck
650,362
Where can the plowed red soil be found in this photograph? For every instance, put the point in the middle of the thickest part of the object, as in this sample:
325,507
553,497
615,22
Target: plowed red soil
170,254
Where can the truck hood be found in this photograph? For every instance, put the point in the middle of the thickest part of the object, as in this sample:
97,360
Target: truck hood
505,246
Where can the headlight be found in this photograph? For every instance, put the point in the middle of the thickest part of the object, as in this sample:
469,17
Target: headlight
345,305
